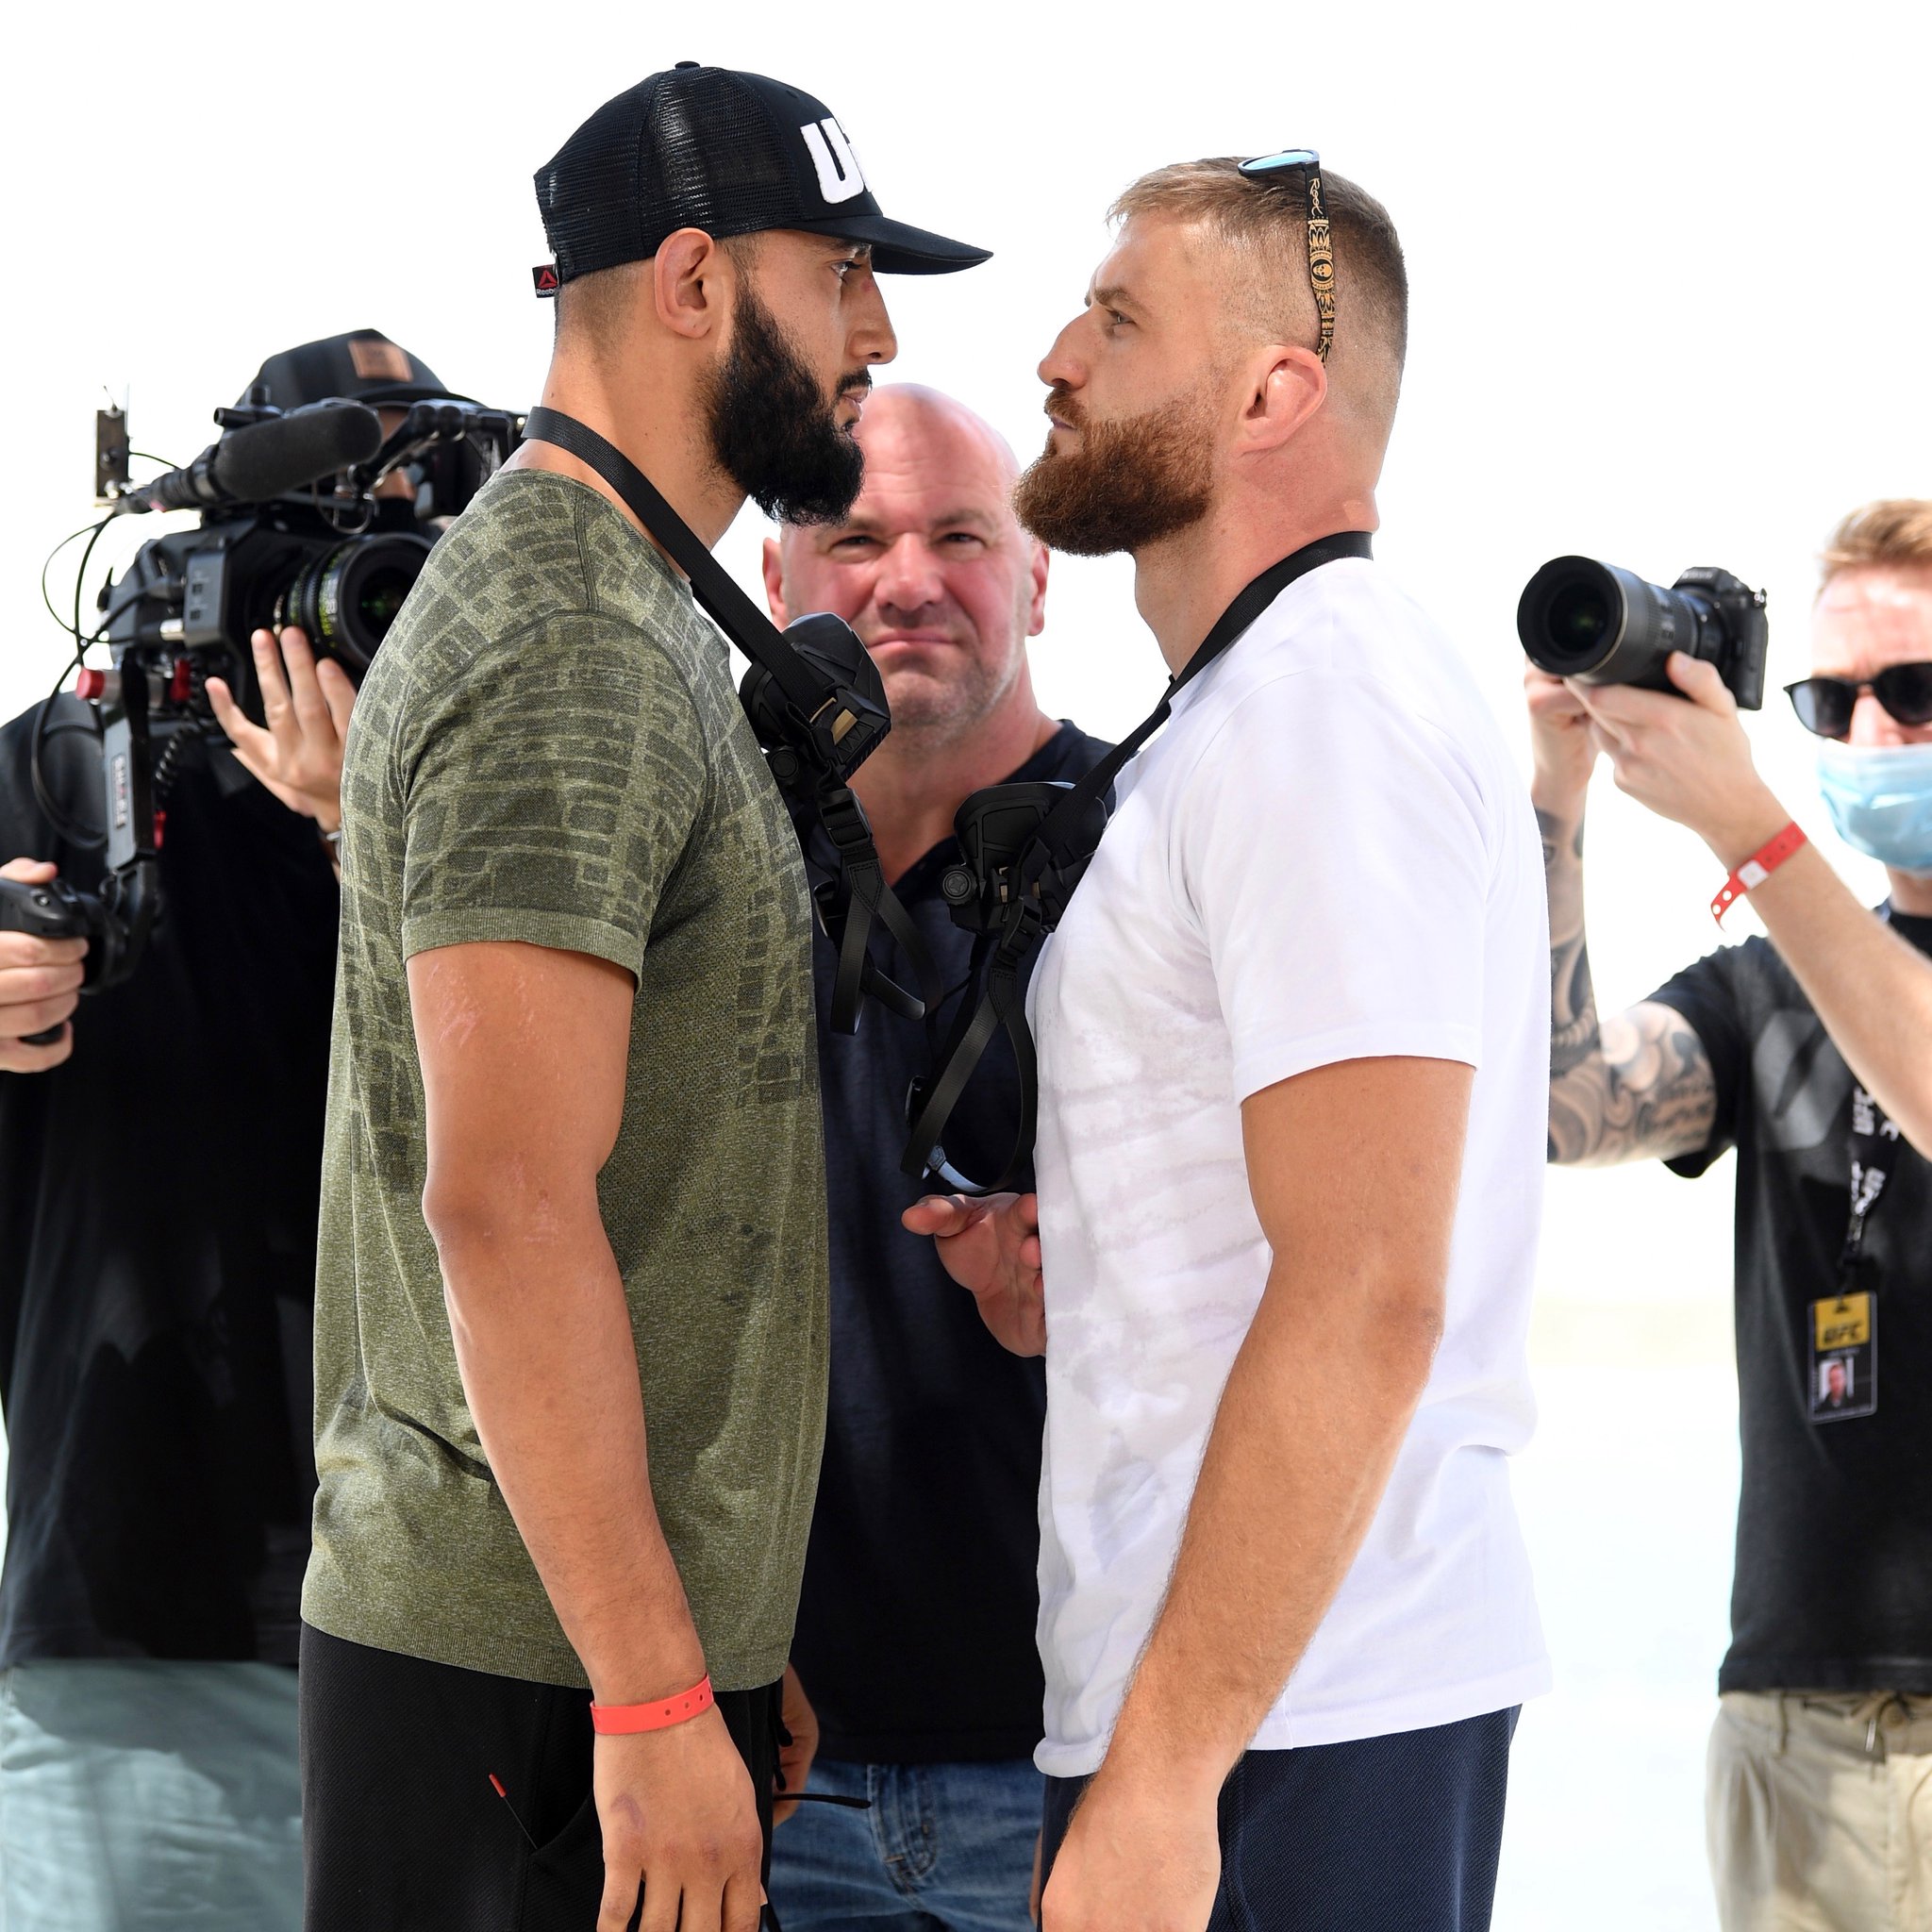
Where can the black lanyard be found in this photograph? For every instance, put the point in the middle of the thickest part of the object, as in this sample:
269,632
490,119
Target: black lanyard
1041,880
1229,628
1872,1134
828,715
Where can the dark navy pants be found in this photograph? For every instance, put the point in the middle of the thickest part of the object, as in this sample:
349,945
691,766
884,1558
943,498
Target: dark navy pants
1396,1834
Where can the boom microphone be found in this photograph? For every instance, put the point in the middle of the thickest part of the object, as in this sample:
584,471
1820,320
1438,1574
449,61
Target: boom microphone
266,460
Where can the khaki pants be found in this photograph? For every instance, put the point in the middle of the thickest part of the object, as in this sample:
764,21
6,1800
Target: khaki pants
1818,1812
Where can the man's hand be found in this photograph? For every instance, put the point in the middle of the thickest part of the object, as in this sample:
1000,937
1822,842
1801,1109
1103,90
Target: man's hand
1562,748
299,757
991,1248
1141,1855
794,1759
40,985
679,1818
1687,761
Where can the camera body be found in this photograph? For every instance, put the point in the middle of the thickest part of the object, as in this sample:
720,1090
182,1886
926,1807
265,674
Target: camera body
336,556
184,609
1578,618
300,522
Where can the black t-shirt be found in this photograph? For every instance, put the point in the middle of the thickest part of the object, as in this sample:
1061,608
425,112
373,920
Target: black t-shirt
157,1208
1833,1589
915,1635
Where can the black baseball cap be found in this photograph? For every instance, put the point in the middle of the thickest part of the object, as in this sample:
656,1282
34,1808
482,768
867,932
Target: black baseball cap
363,365
730,153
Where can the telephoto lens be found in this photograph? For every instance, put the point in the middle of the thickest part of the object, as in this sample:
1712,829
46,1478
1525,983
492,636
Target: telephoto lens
1599,624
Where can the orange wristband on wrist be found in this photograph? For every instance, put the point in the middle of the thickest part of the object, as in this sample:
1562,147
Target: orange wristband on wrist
1756,868
626,1719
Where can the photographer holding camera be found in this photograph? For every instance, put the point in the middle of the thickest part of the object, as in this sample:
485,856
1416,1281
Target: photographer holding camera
1807,1052
159,1186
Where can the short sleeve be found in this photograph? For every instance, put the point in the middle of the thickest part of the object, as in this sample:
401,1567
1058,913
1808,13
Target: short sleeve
1333,852
547,792
1704,997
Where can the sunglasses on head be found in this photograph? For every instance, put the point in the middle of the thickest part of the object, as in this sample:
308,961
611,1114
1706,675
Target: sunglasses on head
1307,163
1825,704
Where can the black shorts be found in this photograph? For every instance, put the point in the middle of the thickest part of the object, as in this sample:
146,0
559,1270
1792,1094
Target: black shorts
402,1829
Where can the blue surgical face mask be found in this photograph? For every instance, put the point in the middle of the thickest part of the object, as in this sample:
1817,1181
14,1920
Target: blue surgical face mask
1880,799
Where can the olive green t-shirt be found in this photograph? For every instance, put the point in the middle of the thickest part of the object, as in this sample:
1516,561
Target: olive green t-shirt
548,748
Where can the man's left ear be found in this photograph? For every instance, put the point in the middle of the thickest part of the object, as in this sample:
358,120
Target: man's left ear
1035,617
1290,385
774,580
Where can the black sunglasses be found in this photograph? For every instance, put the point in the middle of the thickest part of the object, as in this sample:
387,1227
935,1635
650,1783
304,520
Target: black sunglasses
1825,704
1305,161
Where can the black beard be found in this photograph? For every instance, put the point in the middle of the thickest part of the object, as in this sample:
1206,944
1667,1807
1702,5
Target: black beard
1125,486
773,431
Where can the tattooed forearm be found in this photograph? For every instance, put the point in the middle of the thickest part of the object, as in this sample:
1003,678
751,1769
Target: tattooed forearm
1647,1093
1574,1034
1637,1087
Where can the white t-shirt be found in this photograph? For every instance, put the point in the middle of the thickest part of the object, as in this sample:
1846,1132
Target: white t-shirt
1326,855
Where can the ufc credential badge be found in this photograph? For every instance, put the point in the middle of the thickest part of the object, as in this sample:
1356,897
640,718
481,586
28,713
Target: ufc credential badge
1844,1329
1844,1356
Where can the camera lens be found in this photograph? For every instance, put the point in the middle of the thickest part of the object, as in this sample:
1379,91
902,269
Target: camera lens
1579,619
1600,625
347,598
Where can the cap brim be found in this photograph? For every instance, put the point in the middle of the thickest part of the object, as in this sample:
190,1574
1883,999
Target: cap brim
898,249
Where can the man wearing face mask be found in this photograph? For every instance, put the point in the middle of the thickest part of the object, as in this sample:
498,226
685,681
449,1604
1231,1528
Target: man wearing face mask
1811,1054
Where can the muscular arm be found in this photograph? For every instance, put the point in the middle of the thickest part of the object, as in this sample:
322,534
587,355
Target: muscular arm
523,1051
1355,1171
1636,1087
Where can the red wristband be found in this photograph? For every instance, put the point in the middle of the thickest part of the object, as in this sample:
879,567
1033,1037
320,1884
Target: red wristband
1756,868
624,1720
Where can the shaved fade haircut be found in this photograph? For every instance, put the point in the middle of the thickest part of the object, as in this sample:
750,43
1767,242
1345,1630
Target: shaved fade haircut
1263,221
593,309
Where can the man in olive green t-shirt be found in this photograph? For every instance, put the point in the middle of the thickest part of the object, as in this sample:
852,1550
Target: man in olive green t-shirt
573,1194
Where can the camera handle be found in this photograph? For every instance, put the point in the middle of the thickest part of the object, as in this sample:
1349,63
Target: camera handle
806,701
1037,887
116,920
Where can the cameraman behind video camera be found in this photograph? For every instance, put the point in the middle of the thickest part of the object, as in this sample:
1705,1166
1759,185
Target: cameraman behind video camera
1807,1052
159,1190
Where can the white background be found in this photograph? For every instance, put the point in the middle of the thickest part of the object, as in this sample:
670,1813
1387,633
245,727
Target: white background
1670,306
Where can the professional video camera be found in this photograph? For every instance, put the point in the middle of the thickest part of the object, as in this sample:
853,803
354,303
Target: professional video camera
302,522
1600,625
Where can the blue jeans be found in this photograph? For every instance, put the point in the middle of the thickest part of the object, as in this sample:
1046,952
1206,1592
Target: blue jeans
139,1796
945,1848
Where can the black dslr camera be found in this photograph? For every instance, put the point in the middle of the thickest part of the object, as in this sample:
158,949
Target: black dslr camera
1600,625
299,523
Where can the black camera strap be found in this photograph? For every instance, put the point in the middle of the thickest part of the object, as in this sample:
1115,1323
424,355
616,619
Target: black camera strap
1039,884
822,745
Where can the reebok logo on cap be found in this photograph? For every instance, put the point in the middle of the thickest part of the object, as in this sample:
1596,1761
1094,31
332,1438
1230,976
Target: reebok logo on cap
730,153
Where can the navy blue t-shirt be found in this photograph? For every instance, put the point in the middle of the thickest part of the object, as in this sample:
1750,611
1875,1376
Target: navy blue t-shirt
1833,1587
915,1638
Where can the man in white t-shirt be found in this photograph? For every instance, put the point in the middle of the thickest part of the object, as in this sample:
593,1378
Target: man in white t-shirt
1294,1063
